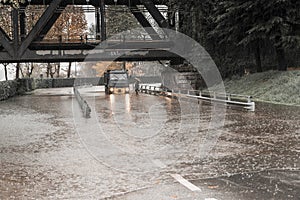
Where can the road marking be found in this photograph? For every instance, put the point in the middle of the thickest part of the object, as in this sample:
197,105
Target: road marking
185,182
159,163
210,199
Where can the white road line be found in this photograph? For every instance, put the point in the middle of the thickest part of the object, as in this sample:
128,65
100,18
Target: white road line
210,199
159,163
185,182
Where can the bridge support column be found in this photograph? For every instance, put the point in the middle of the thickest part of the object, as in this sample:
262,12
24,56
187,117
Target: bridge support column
97,19
15,23
100,21
22,17
103,20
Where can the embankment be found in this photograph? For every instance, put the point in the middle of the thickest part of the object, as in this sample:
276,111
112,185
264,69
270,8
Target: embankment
271,86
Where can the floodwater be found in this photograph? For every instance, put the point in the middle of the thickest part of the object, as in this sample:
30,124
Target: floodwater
133,144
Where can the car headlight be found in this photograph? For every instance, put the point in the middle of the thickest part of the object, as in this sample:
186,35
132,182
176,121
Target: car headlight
111,89
127,89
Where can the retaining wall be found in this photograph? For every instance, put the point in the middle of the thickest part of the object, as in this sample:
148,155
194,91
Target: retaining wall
67,82
20,86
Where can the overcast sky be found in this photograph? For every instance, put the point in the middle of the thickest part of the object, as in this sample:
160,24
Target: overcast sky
1,74
90,17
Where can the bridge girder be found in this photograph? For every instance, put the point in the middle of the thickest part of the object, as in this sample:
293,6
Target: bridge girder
22,47
84,56
5,41
94,2
39,26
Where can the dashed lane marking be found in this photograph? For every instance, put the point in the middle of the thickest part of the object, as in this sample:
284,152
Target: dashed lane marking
180,179
185,182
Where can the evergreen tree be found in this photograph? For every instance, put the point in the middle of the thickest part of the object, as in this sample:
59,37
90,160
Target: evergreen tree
250,22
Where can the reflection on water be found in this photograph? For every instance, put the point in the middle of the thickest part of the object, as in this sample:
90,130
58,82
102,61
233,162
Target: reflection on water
112,102
127,102
121,100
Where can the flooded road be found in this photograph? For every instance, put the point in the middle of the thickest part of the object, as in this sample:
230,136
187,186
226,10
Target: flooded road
133,146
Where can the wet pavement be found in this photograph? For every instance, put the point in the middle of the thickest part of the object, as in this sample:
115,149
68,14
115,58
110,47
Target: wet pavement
132,146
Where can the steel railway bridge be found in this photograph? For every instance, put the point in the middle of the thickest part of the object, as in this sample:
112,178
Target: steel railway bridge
32,46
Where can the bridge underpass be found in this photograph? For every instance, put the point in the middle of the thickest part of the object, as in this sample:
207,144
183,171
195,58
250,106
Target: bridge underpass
50,151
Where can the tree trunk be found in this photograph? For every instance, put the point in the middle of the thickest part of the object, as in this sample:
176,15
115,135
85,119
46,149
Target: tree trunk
18,71
69,70
48,70
282,64
258,57
30,69
58,70
21,70
5,71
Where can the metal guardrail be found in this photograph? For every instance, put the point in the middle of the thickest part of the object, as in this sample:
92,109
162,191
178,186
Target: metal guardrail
82,103
151,89
231,99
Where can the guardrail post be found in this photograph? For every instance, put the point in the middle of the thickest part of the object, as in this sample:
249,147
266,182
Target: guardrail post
249,99
252,107
229,97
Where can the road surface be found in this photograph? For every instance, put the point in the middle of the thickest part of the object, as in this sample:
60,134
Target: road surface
145,147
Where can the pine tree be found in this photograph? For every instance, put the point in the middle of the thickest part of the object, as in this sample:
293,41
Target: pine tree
248,23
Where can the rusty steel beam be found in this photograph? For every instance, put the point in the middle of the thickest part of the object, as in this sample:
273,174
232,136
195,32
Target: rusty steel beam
22,19
92,2
155,13
111,45
145,55
50,23
98,22
103,20
144,22
15,23
5,41
40,25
